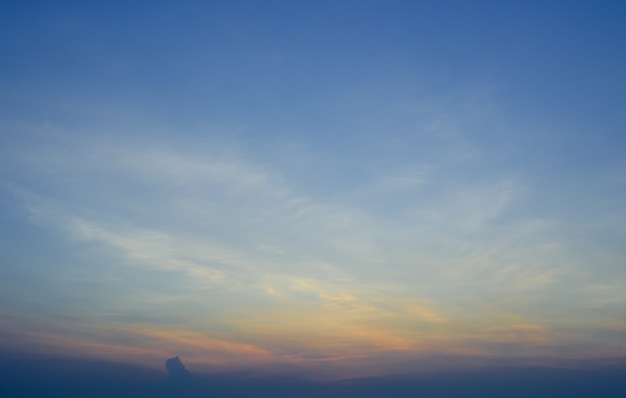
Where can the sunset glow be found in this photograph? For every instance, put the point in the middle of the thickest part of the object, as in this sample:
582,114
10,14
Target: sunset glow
325,189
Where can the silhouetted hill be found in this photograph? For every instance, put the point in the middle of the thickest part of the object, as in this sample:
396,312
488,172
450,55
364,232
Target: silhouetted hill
38,376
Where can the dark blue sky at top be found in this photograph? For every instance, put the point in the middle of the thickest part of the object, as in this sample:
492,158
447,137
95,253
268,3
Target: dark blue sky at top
283,65
280,65
237,49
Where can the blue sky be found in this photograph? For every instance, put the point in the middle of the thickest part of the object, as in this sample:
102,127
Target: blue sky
342,187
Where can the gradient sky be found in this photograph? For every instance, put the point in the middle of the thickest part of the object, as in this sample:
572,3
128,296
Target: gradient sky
337,188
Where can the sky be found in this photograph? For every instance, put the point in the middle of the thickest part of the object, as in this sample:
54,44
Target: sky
333,189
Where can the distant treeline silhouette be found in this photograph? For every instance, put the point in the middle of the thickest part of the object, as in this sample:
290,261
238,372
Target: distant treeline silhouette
47,377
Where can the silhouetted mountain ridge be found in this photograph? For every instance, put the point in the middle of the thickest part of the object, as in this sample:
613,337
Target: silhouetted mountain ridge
41,376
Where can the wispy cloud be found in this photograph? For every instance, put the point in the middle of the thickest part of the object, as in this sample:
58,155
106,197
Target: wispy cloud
295,277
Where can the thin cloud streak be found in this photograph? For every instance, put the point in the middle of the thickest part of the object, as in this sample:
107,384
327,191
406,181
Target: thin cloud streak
340,250
411,262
